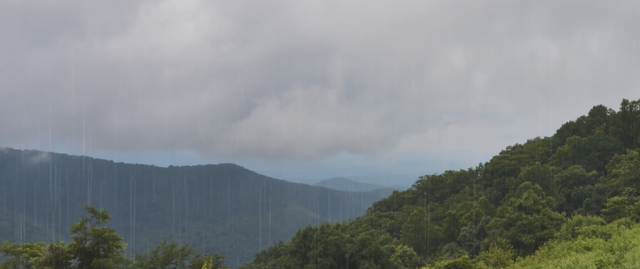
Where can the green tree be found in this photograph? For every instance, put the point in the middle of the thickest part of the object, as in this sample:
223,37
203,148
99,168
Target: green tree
171,255
164,256
463,262
470,237
197,261
499,255
598,118
26,256
95,246
405,258
467,217
507,165
598,197
592,152
543,177
573,227
527,220
57,256
626,123
371,249
575,185
619,207
420,233
624,170
328,249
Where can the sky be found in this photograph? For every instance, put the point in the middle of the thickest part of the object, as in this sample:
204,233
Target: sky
381,91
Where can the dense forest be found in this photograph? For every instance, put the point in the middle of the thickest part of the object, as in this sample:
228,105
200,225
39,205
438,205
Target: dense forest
222,208
95,245
567,201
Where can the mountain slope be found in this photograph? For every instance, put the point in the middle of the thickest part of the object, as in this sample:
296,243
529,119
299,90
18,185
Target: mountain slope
527,201
220,208
345,184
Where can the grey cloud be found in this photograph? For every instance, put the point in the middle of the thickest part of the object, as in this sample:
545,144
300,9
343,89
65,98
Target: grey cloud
282,80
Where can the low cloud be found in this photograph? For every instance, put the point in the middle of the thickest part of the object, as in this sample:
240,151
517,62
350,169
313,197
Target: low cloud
38,157
277,80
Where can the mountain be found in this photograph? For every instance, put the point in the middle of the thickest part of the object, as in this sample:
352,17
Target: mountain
398,187
221,208
345,184
571,200
387,179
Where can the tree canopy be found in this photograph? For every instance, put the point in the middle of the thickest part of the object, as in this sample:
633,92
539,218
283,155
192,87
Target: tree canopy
96,246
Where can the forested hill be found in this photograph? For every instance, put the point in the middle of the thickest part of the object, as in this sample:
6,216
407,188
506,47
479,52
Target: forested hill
345,184
528,195
222,208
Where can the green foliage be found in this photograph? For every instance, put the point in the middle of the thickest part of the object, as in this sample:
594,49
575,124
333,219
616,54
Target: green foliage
578,225
405,258
575,185
624,170
335,246
625,125
507,166
470,237
620,207
25,256
599,195
592,152
539,175
463,262
499,255
419,233
169,255
92,246
620,251
96,246
526,220
166,255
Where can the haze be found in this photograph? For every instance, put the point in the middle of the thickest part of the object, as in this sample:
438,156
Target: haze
308,90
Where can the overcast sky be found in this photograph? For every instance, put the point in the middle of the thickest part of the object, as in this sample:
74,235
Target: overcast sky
308,89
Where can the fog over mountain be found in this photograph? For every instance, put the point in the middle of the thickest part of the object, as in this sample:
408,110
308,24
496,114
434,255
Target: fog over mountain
222,208
414,87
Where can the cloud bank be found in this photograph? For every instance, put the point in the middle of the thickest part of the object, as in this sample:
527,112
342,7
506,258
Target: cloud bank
307,80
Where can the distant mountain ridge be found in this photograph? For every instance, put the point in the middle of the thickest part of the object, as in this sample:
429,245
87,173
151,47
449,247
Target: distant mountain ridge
345,184
221,208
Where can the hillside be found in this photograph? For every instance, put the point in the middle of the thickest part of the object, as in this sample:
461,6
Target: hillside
221,208
527,204
599,246
345,184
